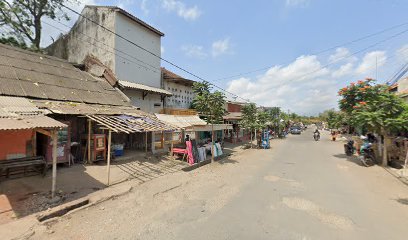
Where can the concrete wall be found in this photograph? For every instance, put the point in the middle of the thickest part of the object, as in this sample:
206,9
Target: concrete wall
86,38
403,85
148,104
14,144
182,95
147,72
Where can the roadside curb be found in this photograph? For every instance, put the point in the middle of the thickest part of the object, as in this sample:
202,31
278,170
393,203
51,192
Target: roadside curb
27,226
394,173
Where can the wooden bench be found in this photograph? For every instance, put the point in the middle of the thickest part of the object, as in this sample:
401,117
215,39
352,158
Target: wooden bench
38,163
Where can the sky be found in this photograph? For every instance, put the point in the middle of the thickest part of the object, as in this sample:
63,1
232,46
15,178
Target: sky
286,39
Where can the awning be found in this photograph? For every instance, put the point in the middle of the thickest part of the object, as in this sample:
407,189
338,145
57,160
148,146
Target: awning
233,116
190,122
29,123
138,86
130,124
181,121
209,128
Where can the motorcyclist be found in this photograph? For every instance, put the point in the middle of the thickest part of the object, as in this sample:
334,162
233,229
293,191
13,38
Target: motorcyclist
316,133
365,144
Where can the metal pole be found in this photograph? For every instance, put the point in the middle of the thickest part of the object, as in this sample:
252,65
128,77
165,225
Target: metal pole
109,155
54,163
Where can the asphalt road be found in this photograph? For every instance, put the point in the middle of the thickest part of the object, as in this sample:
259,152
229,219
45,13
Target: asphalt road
299,189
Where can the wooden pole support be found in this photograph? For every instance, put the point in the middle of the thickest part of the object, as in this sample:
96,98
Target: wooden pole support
54,163
109,155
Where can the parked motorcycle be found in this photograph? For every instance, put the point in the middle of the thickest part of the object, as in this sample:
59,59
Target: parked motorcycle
367,156
316,136
349,148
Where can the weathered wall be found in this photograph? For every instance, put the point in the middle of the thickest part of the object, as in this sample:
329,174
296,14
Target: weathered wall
147,71
182,95
148,104
233,107
403,85
14,144
86,38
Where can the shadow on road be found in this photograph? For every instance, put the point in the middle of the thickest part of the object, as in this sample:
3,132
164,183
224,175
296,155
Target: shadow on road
353,159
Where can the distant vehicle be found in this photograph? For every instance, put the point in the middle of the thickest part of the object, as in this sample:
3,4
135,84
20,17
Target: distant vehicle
316,136
295,130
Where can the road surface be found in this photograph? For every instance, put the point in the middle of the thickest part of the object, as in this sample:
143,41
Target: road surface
299,189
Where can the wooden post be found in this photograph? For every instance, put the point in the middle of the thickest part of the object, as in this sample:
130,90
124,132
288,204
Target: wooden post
171,144
89,141
109,155
162,140
54,162
146,144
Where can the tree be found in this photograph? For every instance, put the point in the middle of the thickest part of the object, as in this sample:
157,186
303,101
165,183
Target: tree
209,104
13,42
24,17
249,118
373,108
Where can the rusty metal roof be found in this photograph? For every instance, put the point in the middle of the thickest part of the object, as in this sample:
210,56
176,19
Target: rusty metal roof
29,122
33,75
75,108
126,84
130,124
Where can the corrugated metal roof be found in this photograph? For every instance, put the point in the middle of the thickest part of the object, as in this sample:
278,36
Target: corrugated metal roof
29,123
142,87
181,121
233,116
130,124
171,76
75,108
33,75
17,106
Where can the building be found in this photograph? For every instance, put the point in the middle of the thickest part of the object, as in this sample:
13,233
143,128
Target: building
233,117
131,49
401,88
181,89
46,100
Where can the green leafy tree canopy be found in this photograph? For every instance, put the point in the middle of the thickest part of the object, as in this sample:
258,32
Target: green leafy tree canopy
23,17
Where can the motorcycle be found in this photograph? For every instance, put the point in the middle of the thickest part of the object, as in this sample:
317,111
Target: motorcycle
316,136
367,156
349,148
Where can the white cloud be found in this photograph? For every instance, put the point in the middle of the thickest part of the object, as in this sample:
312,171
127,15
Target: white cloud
188,13
220,47
304,86
402,53
342,54
161,50
297,3
194,51
343,70
371,60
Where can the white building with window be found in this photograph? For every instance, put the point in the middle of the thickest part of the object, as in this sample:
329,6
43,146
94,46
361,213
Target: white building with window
180,88
132,51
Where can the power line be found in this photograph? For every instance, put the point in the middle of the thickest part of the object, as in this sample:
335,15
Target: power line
148,51
319,52
353,54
